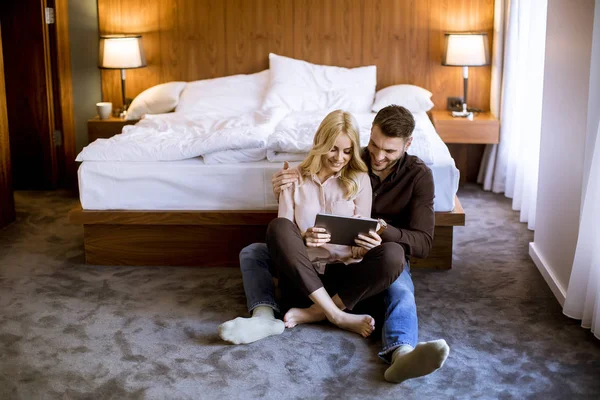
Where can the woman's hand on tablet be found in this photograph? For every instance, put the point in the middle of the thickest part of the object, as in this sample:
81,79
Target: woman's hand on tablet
316,237
284,179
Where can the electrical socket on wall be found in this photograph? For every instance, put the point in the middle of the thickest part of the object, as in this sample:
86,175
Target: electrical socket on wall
455,103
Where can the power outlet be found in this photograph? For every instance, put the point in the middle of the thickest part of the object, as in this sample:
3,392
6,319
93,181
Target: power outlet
455,103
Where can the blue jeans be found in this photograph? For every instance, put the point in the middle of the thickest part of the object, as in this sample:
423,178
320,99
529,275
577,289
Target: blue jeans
400,324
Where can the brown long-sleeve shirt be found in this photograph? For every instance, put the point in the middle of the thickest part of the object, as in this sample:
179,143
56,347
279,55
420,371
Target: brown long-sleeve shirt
405,201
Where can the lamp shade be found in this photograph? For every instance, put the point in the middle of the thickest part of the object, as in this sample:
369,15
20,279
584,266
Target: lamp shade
466,50
121,52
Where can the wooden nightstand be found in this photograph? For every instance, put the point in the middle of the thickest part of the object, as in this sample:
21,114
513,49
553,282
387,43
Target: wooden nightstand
105,128
461,134
484,129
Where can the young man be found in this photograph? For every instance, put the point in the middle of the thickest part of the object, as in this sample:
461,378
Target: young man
403,194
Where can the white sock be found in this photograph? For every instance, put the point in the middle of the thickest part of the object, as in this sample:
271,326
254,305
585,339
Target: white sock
247,330
263,312
424,359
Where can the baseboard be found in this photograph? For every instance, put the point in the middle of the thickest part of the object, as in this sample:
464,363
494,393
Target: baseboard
542,265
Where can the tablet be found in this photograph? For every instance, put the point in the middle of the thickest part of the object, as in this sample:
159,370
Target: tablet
344,230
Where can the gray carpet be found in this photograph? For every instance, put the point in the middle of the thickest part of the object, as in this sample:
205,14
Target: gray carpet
73,331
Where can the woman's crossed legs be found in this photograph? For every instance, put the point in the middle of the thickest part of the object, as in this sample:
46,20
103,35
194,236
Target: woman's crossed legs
351,283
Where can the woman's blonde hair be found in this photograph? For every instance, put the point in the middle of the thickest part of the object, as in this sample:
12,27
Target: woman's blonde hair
336,123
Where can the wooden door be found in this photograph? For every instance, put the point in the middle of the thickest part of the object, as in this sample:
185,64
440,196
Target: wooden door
7,204
29,94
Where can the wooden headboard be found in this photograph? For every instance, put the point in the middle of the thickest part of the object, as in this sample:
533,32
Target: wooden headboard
196,39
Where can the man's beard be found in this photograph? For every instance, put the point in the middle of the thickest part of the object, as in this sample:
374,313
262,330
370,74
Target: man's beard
391,164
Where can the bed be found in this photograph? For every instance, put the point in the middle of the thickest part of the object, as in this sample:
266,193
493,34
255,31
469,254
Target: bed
185,188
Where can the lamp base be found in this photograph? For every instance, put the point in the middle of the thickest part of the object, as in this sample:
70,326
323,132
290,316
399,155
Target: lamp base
127,103
464,113
122,112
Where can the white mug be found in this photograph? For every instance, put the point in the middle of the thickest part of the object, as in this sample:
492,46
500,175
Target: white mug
104,109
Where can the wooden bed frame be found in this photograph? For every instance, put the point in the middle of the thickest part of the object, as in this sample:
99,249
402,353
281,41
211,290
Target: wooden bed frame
314,31
206,238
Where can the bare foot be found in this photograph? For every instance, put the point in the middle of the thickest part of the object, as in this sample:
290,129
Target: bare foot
361,324
296,316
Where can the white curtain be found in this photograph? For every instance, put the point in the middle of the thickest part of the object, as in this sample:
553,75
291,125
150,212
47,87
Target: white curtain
512,165
583,295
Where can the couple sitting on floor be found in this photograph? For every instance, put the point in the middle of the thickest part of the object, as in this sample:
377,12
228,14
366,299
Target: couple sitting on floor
347,284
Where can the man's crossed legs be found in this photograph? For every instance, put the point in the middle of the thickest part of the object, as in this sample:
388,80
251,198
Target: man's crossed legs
408,358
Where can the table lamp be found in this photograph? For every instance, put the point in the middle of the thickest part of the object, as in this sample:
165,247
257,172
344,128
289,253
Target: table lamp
465,50
121,52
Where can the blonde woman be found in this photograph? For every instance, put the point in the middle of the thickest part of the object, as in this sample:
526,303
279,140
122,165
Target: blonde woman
334,180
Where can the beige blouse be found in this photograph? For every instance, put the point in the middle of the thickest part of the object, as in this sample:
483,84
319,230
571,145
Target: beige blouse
301,202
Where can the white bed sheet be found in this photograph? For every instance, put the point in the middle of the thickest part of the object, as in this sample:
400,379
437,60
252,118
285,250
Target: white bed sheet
176,185
194,185
445,174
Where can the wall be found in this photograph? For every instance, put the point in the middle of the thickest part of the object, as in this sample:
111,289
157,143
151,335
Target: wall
83,30
197,39
563,139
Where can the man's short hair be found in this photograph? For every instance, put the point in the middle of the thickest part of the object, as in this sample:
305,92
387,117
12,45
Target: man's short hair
395,121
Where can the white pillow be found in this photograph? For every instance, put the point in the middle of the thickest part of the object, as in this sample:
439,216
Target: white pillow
302,86
226,96
414,98
155,100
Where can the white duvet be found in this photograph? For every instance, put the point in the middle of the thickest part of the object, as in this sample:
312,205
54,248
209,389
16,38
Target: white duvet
293,136
179,136
276,133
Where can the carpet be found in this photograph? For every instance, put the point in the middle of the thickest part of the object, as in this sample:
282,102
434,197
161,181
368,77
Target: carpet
72,331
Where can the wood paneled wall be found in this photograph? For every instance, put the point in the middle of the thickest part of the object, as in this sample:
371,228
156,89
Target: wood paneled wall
197,39
7,204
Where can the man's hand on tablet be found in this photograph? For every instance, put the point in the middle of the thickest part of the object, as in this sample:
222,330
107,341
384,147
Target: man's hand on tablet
367,242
